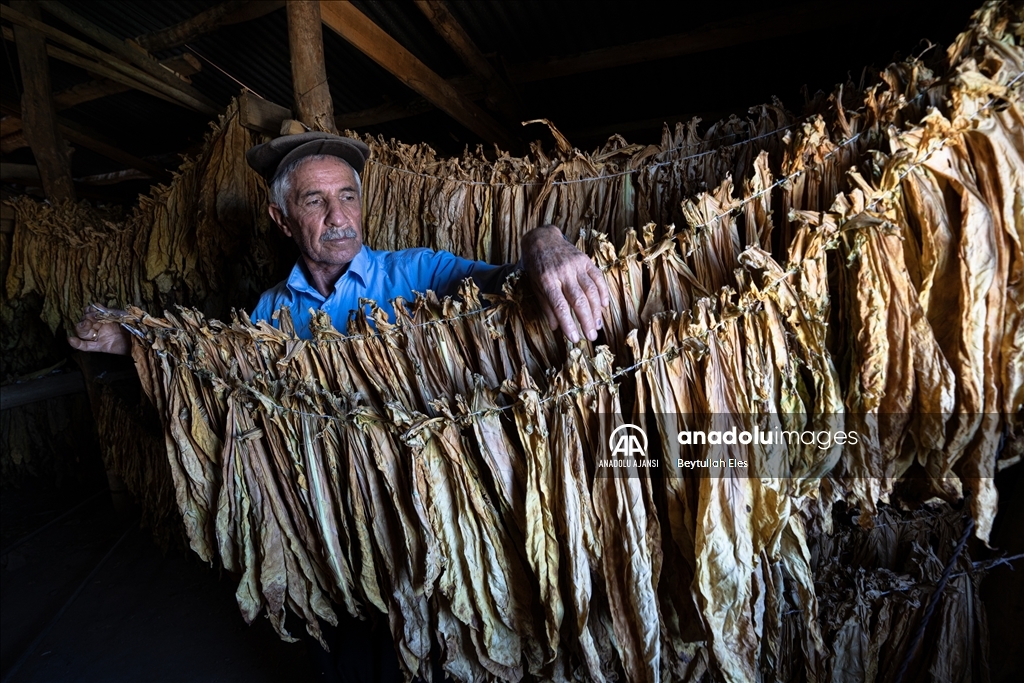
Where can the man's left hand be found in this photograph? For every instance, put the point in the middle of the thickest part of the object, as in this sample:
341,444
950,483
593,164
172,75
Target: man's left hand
566,281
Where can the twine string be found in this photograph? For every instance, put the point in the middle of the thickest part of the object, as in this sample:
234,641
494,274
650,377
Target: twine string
468,418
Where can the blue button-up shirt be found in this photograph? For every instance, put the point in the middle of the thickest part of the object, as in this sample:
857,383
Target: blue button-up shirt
377,275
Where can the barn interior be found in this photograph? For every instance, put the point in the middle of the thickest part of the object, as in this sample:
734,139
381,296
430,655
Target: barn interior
809,134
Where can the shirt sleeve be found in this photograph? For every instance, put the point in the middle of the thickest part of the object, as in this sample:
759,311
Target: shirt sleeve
446,272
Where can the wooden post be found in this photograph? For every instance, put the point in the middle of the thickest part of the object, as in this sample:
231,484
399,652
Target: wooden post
40,121
313,103
347,21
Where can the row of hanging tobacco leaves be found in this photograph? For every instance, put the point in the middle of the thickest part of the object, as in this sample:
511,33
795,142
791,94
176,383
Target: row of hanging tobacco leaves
443,469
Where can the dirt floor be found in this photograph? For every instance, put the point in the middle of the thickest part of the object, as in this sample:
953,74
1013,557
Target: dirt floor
92,598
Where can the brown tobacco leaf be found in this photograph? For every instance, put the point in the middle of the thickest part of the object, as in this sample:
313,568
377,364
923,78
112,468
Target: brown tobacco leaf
623,521
541,534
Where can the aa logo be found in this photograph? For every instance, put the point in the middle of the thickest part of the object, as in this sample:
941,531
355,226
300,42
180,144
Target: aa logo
628,441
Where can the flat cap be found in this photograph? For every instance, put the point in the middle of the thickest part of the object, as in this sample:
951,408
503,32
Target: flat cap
268,158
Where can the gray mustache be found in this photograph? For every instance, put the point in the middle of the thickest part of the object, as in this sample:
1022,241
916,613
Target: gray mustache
339,234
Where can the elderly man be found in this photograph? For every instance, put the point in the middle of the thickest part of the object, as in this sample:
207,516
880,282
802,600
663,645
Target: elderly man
315,200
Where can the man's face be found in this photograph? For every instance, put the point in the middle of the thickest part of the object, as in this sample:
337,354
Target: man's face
324,215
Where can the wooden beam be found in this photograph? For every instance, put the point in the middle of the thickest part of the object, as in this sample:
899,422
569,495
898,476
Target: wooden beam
392,111
16,140
203,105
344,19
9,125
312,96
751,28
747,29
40,119
129,51
113,178
52,386
205,22
85,92
260,115
95,68
23,174
185,65
80,135
500,96
469,86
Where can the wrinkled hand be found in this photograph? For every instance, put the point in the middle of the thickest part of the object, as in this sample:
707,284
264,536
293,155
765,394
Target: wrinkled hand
92,335
566,281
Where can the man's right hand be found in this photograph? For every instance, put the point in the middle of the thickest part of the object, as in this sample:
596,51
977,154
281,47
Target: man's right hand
93,335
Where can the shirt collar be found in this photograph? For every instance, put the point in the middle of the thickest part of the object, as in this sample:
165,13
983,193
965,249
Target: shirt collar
358,267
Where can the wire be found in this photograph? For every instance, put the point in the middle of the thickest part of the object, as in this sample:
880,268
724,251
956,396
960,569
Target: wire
588,179
215,66
696,226
469,418
937,84
623,371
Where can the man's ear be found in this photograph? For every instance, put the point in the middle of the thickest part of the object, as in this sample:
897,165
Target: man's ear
277,215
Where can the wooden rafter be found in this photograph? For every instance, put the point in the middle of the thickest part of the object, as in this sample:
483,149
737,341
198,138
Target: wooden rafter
10,126
201,104
40,119
224,14
347,21
392,111
127,50
80,135
468,86
95,68
747,29
500,96
91,140
260,115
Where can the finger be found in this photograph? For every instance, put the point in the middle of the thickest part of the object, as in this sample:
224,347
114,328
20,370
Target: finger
576,298
85,326
602,285
562,312
81,344
593,302
549,314
604,297
551,298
